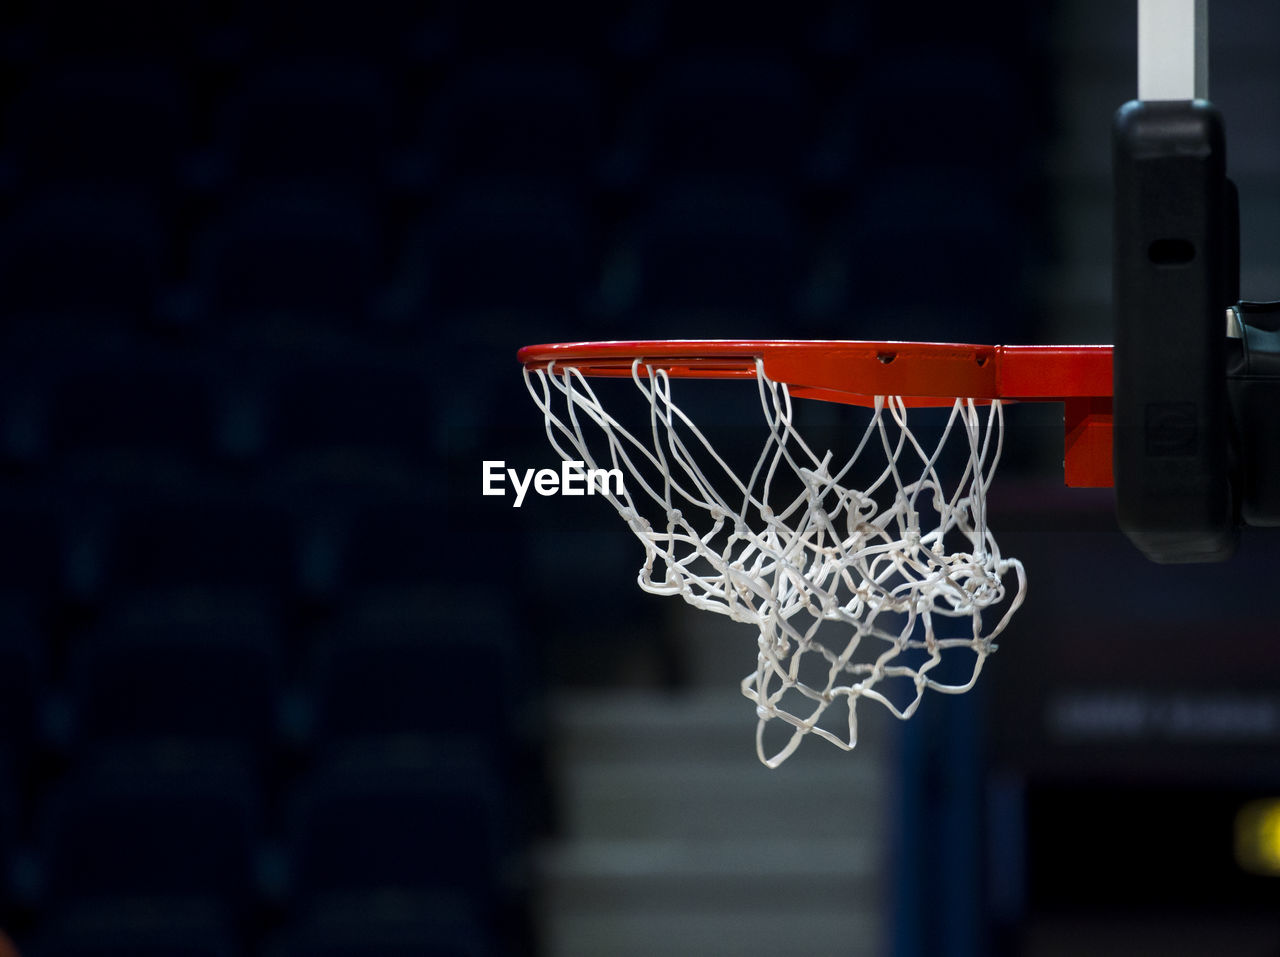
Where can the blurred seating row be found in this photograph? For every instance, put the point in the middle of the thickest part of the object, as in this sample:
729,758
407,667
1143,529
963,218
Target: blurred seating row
87,413
84,550
203,666
218,623
638,27
743,115
291,266
180,754
156,833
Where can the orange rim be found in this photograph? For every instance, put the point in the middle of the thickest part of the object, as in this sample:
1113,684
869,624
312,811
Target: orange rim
855,371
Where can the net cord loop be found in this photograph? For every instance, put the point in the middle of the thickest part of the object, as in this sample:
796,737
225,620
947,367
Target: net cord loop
849,586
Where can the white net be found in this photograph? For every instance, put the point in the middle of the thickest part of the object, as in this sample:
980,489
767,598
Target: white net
877,591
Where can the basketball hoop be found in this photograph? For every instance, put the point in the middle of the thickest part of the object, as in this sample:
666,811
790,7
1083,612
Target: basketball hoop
869,573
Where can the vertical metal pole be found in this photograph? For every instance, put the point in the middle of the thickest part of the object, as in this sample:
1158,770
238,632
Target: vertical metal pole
1173,49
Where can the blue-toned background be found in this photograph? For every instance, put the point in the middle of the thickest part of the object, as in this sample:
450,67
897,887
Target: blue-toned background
276,679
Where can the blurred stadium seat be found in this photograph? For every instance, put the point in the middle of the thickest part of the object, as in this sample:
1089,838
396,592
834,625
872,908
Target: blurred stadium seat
540,119
927,250
382,30
132,421
793,31
344,421
932,108
387,928
288,261
709,263
408,819
132,31
204,677
137,928
12,821
35,554
24,676
310,119
502,252
80,259
399,547
403,936
722,117
202,545
118,124
161,825
381,673
482,28
1002,29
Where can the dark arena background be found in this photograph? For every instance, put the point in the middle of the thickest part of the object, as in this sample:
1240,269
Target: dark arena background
277,680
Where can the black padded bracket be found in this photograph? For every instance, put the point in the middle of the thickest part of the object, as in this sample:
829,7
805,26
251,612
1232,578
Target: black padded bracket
1176,272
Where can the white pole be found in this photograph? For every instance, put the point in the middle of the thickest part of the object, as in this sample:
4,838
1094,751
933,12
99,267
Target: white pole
1173,49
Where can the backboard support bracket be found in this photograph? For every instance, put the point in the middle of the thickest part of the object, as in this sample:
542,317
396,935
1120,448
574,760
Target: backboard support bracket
1196,434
